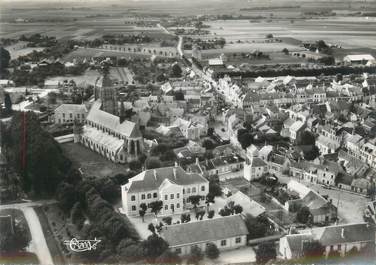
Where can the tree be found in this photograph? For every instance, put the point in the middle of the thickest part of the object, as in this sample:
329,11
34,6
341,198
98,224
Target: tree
211,251
304,215
238,209
142,211
211,214
77,216
152,162
196,255
135,165
185,218
51,98
245,138
307,138
154,246
176,70
179,95
156,206
225,211
265,252
195,200
7,103
4,59
257,227
66,195
167,220
208,144
269,36
151,227
312,154
285,51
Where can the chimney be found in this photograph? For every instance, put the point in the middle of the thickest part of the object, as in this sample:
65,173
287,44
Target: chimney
197,161
343,233
176,164
174,172
155,174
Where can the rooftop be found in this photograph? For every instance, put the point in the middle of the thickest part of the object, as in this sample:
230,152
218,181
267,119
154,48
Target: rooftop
204,231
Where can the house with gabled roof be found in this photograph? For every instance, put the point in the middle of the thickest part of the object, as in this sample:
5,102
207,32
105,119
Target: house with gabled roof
68,113
171,185
342,238
226,233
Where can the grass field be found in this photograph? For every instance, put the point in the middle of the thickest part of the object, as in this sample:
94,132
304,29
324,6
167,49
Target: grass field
91,163
88,78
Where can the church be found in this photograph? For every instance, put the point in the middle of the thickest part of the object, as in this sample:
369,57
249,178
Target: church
106,133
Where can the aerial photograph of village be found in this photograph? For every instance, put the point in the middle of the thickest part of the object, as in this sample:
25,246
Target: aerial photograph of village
196,132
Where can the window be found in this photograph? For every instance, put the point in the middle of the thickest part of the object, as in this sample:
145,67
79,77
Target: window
166,197
194,246
238,240
189,190
63,115
133,208
177,195
171,196
178,205
166,207
202,188
183,191
83,116
70,115
133,198
193,190
142,196
339,247
155,195
149,196
178,251
223,242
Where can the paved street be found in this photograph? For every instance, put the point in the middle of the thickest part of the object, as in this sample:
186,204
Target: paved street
38,242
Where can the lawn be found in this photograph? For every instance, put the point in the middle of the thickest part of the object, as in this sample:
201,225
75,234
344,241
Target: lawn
88,78
91,163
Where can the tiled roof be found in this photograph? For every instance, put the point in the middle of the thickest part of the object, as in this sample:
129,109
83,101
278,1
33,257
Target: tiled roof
334,235
204,231
258,162
112,122
296,241
151,179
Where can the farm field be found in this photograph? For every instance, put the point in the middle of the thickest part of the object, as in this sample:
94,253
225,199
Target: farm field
84,28
348,32
15,53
